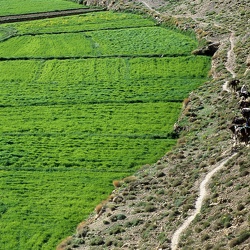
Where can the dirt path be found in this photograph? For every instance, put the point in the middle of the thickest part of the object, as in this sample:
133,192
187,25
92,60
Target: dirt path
149,6
203,193
230,64
43,15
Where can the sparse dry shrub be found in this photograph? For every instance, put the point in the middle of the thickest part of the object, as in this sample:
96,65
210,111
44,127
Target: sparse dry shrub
211,161
244,235
186,102
150,208
160,174
96,241
100,206
177,182
208,247
130,179
117,183
198,229
240,207
106,222
82,229
159,167
172,157
80,226
187,207
181,141
64,244
112,207
111,197
244,173
117,229
131,197
124,193
180,156
187,111
118,217
204,237
202,165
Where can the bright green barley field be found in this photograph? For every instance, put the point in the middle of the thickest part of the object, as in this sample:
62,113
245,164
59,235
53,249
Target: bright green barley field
84,100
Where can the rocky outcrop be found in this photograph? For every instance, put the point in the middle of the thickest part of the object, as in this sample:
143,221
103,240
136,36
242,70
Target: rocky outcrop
208,50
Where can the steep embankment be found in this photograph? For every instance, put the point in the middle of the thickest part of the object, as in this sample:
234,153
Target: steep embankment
196,196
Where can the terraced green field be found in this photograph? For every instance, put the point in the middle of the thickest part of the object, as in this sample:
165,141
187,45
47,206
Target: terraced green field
84,100
11,7
142,41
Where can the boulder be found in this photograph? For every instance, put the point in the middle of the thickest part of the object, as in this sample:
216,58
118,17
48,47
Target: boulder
208,50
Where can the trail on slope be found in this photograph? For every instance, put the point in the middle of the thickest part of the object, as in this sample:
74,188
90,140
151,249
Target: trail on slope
230,64
202,194
149,6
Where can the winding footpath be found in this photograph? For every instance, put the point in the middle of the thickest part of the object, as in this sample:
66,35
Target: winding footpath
203,193
230,64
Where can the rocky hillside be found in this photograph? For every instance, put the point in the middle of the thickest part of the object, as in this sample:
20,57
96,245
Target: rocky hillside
196,196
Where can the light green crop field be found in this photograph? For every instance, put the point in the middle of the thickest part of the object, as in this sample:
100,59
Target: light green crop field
80,23
142,41
12,7
84,100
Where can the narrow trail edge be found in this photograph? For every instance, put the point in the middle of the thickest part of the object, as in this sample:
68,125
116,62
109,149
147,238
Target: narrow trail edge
203,192
230,64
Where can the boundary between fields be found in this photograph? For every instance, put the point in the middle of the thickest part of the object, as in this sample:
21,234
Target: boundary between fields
43,15
26,58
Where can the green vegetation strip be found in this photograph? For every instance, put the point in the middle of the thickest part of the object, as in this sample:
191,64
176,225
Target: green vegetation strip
80,23
11,7
69,127
85,136
130,41
114,80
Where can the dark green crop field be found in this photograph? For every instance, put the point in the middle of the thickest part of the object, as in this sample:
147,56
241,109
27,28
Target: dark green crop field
84,100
